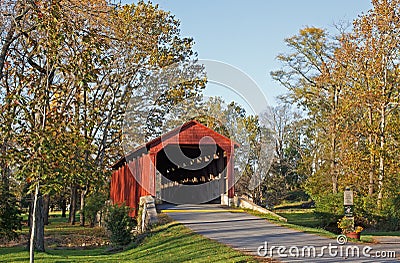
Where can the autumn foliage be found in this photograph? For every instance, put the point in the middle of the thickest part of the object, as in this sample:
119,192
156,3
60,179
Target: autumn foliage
348,87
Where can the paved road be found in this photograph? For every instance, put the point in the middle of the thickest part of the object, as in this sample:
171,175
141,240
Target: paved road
248,233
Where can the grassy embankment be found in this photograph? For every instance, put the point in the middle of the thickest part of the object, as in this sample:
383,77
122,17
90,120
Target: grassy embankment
305,220
167,242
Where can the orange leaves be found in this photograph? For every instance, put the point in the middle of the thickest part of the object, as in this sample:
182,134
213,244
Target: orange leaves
350,89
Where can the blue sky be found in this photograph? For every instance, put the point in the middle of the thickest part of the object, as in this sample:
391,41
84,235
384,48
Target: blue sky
250,34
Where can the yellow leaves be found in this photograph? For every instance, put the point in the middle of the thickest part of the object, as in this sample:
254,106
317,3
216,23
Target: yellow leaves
348,87
312,31
85,60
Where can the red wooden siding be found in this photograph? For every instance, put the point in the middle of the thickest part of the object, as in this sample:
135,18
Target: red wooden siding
135,174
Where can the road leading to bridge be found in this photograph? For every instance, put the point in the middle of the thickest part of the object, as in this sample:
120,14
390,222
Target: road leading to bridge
251,234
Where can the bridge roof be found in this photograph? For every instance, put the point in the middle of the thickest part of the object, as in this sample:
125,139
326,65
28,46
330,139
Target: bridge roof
191,132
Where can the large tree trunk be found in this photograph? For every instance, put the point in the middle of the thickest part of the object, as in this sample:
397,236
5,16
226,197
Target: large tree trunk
63,206
381,159
381,176
73,203
36,241
82,211
333,167
372,156
39,241
46,209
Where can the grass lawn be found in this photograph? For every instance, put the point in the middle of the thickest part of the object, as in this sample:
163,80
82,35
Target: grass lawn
290,205
382,233
305,220
303,217
169,242
291,223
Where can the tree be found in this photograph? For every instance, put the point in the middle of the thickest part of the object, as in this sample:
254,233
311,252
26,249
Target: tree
307,74
68,70
286,173
369,55
349,88
252,160
10,212
10,219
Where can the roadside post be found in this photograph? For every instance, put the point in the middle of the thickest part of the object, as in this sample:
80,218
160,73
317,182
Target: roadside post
348,203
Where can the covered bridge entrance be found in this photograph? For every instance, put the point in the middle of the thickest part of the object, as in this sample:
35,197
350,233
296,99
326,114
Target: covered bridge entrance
190,164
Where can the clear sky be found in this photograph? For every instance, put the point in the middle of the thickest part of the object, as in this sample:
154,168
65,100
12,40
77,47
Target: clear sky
250,34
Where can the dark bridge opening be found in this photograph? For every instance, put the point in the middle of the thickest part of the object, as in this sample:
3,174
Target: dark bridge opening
190,164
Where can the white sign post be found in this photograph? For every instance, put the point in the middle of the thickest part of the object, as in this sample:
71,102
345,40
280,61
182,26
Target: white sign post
348,197
348,203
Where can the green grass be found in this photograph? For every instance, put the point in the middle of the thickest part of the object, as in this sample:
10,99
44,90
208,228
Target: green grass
289,205
306,221
296,215
368,236
170,242
291,223
259,214
382,233
304,217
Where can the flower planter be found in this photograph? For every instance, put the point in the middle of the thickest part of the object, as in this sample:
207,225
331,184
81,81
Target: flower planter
353,235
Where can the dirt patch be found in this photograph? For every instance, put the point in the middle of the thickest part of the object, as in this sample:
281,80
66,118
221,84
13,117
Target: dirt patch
65,236
22,240
82,238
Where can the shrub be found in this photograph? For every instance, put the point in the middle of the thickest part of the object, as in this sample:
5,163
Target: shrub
391,215
329,203
120,224
366,212
94,204
329,209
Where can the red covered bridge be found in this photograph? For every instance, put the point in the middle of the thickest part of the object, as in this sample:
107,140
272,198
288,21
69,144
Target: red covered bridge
190,164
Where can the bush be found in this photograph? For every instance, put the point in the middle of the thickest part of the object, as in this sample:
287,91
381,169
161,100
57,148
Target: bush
391,214
329,209
94,204
346,224
366,211
329,203
120,224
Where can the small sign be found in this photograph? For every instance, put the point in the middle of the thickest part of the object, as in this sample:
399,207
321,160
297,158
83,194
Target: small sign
348,210
348,197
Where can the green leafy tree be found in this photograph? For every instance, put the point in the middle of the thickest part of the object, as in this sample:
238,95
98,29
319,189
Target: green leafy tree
75,66
10,213
305,74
